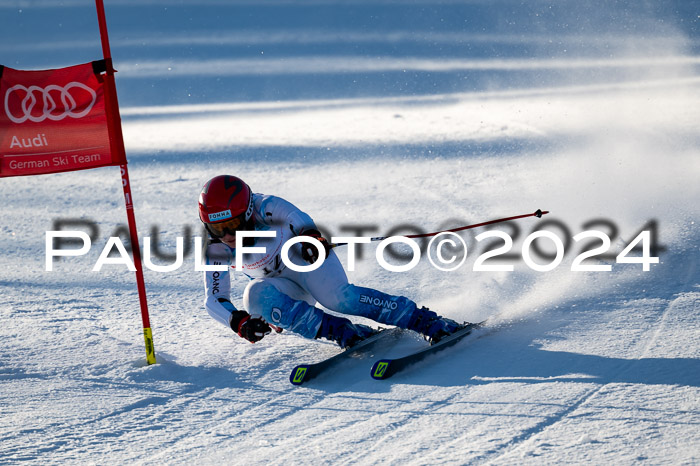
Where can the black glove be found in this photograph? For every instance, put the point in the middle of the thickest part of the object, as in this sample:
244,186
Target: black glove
251,328
309,251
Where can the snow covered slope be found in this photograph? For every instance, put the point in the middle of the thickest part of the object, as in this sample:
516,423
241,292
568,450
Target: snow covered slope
372,114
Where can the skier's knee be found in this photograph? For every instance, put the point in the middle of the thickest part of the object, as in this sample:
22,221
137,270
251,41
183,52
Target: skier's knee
257,293
263,298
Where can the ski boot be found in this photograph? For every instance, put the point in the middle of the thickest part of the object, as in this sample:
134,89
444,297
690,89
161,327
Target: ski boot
431,325
342,331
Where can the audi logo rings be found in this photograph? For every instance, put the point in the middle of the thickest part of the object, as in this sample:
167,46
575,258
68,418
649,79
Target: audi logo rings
48,108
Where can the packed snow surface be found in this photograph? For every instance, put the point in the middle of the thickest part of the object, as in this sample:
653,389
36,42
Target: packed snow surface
389,117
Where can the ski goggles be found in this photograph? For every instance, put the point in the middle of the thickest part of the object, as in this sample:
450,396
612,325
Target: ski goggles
231,226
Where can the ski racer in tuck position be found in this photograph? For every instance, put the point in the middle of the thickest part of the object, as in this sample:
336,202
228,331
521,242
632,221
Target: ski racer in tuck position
280,296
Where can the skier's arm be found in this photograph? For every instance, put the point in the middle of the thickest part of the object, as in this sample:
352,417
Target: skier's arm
217,285
277,210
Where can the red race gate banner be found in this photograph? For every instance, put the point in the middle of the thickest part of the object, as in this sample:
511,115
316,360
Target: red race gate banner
64,120
54,121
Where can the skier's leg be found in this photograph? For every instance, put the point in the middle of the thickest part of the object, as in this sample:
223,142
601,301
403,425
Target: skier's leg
329,286
270,299
395,310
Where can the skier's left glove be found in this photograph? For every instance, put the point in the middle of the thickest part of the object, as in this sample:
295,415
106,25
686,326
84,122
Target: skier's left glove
251,328
309,251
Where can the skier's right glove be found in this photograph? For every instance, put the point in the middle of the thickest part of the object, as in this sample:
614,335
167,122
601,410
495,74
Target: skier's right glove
251,328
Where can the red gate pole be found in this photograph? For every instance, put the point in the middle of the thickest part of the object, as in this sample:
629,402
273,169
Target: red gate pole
117,146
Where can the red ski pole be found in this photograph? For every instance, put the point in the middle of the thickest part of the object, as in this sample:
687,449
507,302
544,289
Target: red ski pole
539,213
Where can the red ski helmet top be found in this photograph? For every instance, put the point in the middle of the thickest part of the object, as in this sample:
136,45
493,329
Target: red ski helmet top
225,205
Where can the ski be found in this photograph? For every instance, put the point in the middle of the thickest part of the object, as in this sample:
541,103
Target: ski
305,372
385,368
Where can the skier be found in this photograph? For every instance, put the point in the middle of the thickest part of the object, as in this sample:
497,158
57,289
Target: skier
279,296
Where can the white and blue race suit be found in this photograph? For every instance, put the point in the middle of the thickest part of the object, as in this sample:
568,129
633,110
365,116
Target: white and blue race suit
284,297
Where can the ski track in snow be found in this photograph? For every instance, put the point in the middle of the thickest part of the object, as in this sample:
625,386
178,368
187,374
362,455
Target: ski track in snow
377,114
528,438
